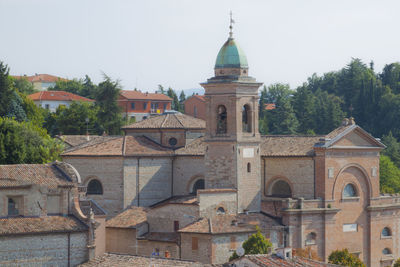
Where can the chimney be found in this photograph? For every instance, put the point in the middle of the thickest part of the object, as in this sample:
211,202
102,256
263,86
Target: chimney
345,122
352,121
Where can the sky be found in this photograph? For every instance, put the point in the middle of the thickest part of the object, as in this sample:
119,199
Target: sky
175,42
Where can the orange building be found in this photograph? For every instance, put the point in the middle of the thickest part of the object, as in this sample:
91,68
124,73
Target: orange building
195,106
138,105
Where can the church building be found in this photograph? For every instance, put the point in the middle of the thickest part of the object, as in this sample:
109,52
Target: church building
182,187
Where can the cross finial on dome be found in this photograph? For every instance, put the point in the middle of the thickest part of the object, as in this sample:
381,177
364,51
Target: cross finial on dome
231,25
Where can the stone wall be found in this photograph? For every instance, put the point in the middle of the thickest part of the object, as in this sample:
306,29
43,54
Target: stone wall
161,219
43,250
147,248
203,252
109,171
298,172
210,201
121,240
187,170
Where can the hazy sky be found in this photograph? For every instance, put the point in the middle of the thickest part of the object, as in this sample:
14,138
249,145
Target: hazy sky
175,42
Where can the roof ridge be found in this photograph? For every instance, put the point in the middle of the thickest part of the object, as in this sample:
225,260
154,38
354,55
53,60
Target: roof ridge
176,117
165,119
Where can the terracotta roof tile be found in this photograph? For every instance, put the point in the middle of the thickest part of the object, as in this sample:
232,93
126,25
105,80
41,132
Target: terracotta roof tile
111,260
196,147
286,145
169,121
111,147
185,200
129,218
137,95
264,260
164,237
41,78
75,140
30,174
58,96
32,225
218,225
338,131
140,145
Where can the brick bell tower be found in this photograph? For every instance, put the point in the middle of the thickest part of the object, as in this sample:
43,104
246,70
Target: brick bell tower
232,158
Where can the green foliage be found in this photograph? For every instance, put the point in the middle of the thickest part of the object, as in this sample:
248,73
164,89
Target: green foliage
345,258
72,120
255,244
15,109
83,87
109,113
182,98
24,142
176,105
33,113
234,256
397,263
23,86
282,119
6,89
389,175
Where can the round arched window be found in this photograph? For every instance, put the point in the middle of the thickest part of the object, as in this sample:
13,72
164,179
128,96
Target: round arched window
349,191
94,188
199,184
220,210
386,232
386,251
281,189
172,141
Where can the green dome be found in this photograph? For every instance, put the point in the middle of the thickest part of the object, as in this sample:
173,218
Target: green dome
231,56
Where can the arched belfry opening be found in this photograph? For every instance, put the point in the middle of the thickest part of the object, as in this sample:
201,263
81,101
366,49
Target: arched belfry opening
246,119
221,120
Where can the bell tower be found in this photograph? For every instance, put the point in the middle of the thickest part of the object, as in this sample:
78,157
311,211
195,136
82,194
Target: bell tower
232,158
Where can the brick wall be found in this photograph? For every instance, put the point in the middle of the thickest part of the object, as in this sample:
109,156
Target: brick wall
187,170
203,251
121,240
161,219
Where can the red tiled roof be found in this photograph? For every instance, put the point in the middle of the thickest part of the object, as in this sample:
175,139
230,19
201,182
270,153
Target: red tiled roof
199,97
109,259
265,260
41,78
270,106
129,218
58,96
137,95
33,225
169,121
287,145
17,175
119,146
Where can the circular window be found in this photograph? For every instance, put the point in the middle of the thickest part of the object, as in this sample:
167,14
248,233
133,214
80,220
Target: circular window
172,141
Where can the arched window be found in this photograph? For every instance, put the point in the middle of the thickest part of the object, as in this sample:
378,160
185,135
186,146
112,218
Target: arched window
246,119
220,210
94,188
386,251
281,189
172,141
386,232
221,120
349,191
248,167
311,238
199,184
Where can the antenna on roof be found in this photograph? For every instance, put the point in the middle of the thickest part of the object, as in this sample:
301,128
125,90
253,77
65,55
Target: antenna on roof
231,25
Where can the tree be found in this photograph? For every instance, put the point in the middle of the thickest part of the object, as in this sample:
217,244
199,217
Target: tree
255,244
389,175
23,86
182,98
397,263
15,109
175,102
282,119
307,253
304,107
345,258
83,87
24,142
109,113
392,148
6,89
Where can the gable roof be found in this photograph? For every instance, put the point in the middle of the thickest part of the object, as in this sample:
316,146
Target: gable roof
132,217
137,95
120,146
35,225
169,121
19,175
58,96
40,78
344,131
